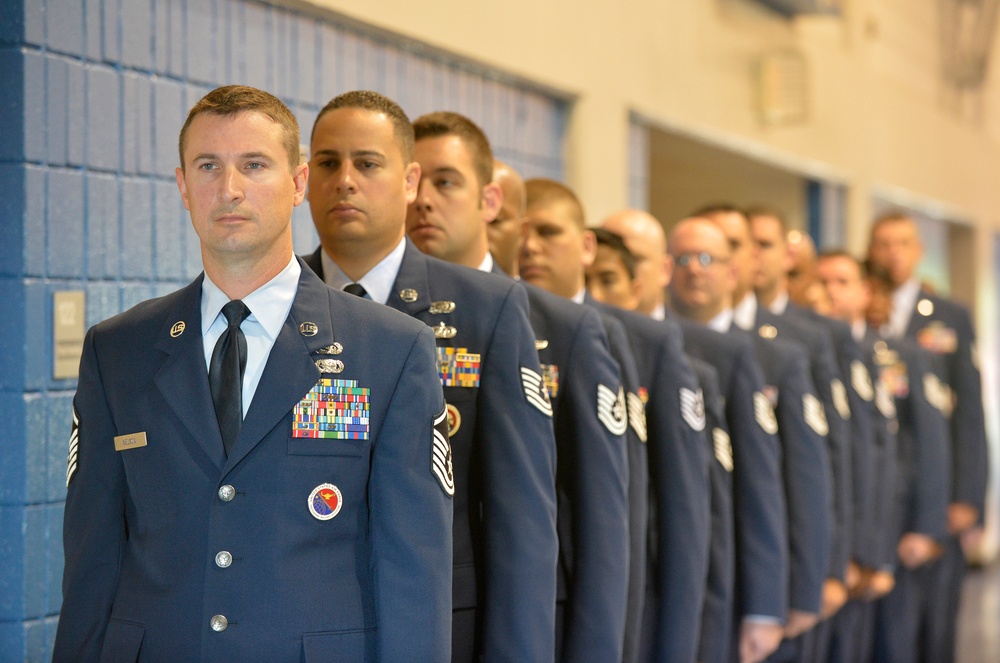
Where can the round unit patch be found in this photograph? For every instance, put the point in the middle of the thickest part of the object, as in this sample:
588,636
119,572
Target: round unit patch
454,420
325,501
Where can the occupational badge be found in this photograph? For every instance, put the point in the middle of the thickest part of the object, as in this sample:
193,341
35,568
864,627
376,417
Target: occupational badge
333,409
325,501
535,391
611,409
441,465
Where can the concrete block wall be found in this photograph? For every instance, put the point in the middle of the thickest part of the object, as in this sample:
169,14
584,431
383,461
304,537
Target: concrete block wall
92,98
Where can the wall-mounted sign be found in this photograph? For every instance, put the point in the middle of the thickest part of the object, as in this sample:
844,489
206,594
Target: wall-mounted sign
69,314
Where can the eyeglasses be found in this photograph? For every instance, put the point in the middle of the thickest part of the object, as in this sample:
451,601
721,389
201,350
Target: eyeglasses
704,259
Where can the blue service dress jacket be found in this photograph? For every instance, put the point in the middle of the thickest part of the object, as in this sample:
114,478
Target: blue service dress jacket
679,501
289,549
759,509
715,637
594,477
944,327
500,420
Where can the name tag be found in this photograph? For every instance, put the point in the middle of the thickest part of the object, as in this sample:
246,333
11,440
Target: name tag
130,441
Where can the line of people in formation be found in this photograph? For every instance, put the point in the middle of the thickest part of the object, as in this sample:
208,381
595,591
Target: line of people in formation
552,462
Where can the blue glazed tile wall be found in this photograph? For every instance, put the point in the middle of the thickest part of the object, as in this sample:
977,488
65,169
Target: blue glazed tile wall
94,95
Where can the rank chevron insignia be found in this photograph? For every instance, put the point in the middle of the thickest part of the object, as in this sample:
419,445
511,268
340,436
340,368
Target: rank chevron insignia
723,448
693,408
861,380
636,415
764,413
611,409
74,448
812,412
441,465
535,392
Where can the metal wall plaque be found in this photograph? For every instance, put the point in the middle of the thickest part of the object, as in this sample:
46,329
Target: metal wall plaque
69,313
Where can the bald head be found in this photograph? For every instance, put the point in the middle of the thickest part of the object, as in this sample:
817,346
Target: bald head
804,287
703,278
504,232
647,242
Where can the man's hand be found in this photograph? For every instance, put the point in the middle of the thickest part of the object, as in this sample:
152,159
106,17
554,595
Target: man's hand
834,597
799,622
961,517
915,550
758,640
854,577
881,584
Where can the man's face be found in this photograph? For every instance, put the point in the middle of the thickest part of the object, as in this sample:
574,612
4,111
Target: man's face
239,187
608,280
741,250
504,232
773,261
700,291
554,249
896,248
846,292
359,183
646,244
446,220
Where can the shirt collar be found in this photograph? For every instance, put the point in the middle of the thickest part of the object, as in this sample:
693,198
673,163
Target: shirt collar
487,264
744,314
858,330
904,298
780,304
659,313
722,322
377,282
269,304
579,297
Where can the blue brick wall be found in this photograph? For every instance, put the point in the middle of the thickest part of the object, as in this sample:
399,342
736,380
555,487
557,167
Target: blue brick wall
94,95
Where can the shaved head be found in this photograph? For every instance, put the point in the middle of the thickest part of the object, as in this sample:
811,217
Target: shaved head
504,231
646,240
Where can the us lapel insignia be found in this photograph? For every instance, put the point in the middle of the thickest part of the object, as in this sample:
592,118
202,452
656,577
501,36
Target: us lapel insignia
308,329
925,307
408,295
333,409
177,329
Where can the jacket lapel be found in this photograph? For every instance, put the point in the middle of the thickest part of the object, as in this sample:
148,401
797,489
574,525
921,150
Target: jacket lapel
183,378
291,369
412,276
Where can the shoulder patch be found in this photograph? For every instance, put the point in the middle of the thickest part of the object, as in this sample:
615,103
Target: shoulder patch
861,380
693,408
840,402
812,412
637,415
764,413
441,465
74,448
611,409
723,448
535,391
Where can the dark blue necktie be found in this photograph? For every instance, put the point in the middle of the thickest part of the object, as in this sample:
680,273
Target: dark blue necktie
356,289
225,373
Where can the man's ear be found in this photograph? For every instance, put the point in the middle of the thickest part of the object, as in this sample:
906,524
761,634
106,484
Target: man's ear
412,177
589,254
182,187
492,201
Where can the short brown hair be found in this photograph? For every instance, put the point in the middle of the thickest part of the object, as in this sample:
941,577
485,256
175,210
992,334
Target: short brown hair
233,99
767,210
542,191
447,123
376,103
892,216
615,242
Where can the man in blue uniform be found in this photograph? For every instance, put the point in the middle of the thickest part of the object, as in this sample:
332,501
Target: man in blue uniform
944,327
612,279
800,421
362,177
457,198
268,482
910,500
